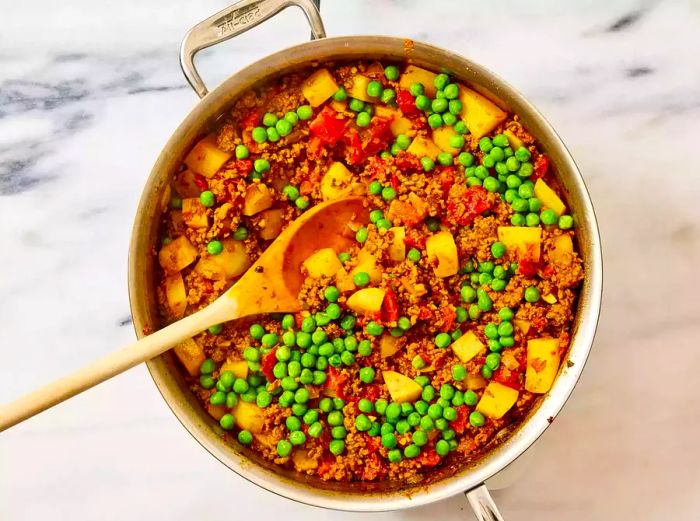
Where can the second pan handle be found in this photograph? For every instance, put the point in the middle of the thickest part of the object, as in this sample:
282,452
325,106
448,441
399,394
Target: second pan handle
482,504
235,20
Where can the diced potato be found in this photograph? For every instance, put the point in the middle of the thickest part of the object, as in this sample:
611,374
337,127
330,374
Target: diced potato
522,325
366,300
467,346
563,251
359,88
318,87
442,246
257,198
399,124
388,345
210,268
176,255
234,259
523,239
336,182
474,382
191,355
549,197
343,281
338,106
302,461
401,388
367,262
513,141
422,147
480,114
542,364
206,158
272,222
413,74
397,248
216,411
194,214
176,220
441,137
323,263
176,294
248,416
549,298
185,185
266,440
239,368
496,400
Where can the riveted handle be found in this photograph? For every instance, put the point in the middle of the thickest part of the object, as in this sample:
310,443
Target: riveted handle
235,20
482,504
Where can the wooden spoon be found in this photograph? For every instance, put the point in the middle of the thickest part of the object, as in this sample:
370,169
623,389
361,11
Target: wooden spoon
271,285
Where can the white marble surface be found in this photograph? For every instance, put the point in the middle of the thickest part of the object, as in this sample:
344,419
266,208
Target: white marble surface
90,91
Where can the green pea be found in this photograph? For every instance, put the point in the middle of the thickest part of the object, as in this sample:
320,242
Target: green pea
374,89
362,120
315,429
522,154
483,300
241,233
497,154
449,119
413,255
428,393
486,372
481,172
460,127
284,448
457,141
348,322
227,422
335,418
292,118
517,219
207,367
364,348
418,362
435,120
375,188
305,112
272,134
467,294
548,217
441,81
502,170
391,72
485,145
242,152
451,91
526,170
336,447
218,398
491,184
442,340
494,345
347,358
269,119
498,284
299,409
356,105
439,105
245,437
566,222
259,135
488,161
362,423
361,278
445,158
477,419
532,294
493,360
341,94
343,257
422,102
447,391
367,375
373,328
534,204
393,411
207,198
388,193
394,455
263,399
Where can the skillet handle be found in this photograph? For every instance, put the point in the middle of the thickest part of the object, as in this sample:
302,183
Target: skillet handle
235,20
482,504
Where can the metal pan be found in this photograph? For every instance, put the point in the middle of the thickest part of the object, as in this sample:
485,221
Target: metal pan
164,370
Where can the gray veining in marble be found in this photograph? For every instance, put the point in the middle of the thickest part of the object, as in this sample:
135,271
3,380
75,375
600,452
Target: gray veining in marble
89,93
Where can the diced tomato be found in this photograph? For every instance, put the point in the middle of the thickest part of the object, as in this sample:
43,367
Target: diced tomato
251,120
414,239
408,162
407,103
527,265
394,182
336,382
326,463
403,212
425,313
548,271
243,166
201,182
540,167
328,127
379,136
390,307
315,147
446,176
298,319
429,458
268,362
306,187
539,323
460,423
505,376
373,467
462,210
353,145
448,316
370,391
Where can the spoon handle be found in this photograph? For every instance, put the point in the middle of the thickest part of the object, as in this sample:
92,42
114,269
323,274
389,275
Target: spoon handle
113,364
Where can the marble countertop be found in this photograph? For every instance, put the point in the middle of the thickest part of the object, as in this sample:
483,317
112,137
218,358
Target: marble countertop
90,92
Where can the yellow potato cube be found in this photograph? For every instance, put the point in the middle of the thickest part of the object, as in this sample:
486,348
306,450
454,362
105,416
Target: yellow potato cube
359,88
542,364
522,325
442,247
513,141
399,124
239,368
336,182
216,411
318,87
184,184
257,198
422,147
272,222
467,347
366,300
302,461
176,295
191,355
480,114
397,248
343,281
323,263
549,298
522,239
368,263
563,251
234,259
194,213
388,345
413,74
474,382
177,255
338,106
206,158
401,388
549,197
441,137
496,400
248,416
